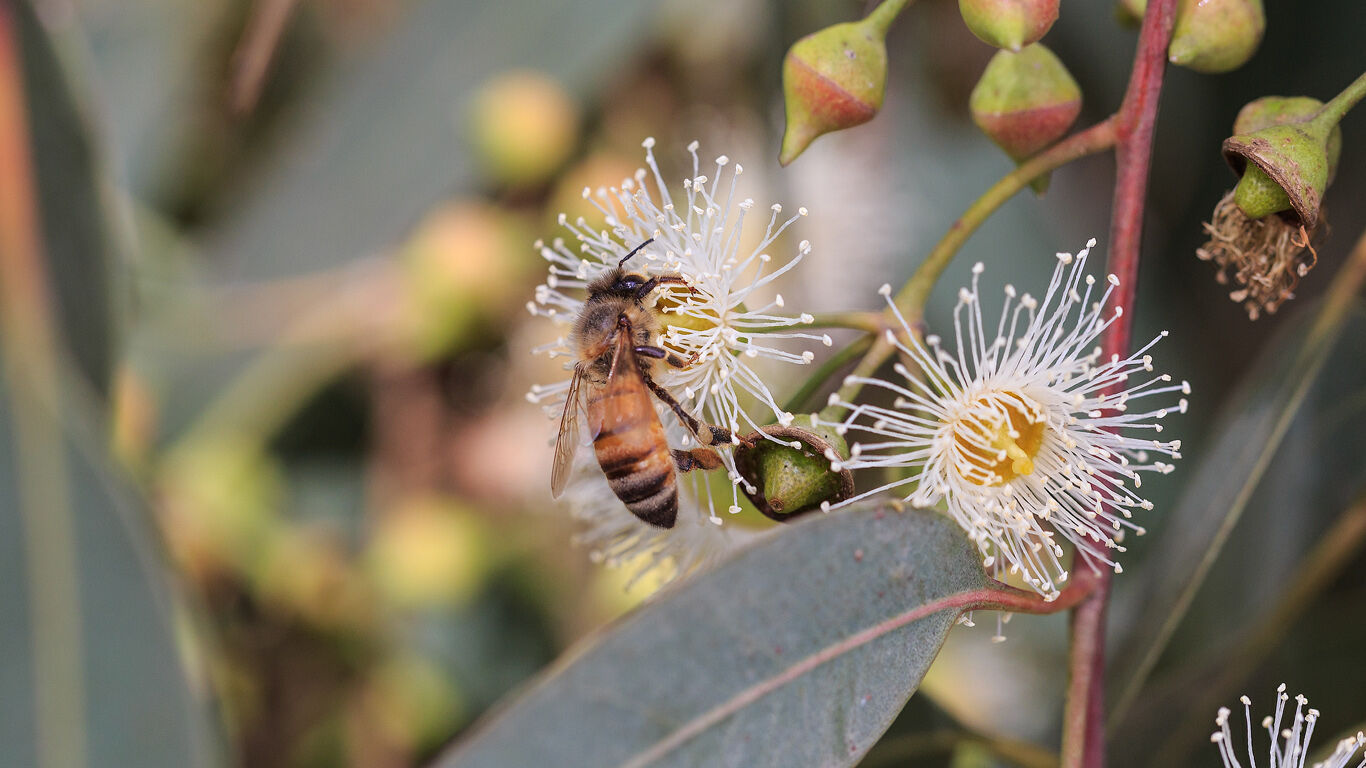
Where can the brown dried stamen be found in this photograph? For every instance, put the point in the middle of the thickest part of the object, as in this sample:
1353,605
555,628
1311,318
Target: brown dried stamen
1265,256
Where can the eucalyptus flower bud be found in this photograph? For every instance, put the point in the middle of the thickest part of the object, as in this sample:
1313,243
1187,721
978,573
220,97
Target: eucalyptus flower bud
1009,24
522,128
1025,101
793,471
1214,36
834,79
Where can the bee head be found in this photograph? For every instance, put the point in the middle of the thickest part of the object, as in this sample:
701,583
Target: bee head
628,283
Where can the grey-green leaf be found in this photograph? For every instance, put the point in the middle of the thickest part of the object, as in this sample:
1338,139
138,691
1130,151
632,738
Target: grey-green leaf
799,651
385,142
89,625
76,241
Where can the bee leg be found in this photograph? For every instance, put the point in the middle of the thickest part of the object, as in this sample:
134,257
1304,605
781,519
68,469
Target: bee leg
659,353
706,434
658,280
697,458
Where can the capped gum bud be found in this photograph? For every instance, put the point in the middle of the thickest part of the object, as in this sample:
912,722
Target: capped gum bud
1009,24
1025,101
834,79
1214,36
790,481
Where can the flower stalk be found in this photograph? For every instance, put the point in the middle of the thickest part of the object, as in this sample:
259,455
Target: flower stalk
1083,742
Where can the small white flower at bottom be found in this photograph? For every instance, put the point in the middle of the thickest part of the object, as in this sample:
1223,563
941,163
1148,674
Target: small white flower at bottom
1289,744
1016,428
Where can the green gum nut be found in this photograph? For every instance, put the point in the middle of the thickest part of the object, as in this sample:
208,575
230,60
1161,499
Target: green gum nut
1025,101
1009,24
1214,36
1284,156
792,473
833,79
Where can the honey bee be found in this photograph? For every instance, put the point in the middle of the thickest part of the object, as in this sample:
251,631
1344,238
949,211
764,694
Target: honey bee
613,339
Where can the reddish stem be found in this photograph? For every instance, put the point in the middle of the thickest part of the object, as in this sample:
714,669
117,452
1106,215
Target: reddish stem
1084,720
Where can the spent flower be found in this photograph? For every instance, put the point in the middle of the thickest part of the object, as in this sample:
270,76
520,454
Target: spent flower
725,321
1021,431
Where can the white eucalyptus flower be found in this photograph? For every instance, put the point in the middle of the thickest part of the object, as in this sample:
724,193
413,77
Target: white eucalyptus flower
1020,430
727,321
1289,746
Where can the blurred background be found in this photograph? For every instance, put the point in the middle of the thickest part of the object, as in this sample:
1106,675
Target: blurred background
297,512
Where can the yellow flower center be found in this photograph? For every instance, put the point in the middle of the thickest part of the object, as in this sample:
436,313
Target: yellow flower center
997,438
667,305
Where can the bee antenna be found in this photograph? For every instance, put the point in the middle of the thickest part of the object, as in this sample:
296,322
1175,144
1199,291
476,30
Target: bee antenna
628,256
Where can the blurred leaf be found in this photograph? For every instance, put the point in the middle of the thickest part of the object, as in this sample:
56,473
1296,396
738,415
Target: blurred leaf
384,142
141,705
75,236
801,651
1288,457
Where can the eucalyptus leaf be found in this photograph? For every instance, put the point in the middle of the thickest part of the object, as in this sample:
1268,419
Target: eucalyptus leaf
76,238
384,142
85,591
799,651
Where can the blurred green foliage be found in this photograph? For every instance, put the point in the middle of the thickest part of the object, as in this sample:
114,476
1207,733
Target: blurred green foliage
297,325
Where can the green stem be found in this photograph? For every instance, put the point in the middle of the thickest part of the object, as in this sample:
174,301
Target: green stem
1331,114
882,16
825,370
910,300
913,295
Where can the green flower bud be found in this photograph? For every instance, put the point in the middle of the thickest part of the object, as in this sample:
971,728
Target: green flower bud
1025,101
1214,36
522,127
1257,195
834,79
1284,156
1009,24
796,472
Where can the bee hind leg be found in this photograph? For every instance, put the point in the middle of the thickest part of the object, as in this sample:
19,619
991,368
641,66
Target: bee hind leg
697,458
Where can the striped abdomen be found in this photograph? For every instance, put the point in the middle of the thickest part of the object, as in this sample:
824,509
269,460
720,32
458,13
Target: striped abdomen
629,441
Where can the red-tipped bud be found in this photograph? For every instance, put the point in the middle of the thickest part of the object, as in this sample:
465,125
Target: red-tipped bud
1009,24
1025,101
1214,36
833,79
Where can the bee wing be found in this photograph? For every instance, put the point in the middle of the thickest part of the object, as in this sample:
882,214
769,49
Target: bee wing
568,440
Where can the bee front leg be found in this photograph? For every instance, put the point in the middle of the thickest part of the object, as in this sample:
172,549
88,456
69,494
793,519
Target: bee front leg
659,353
